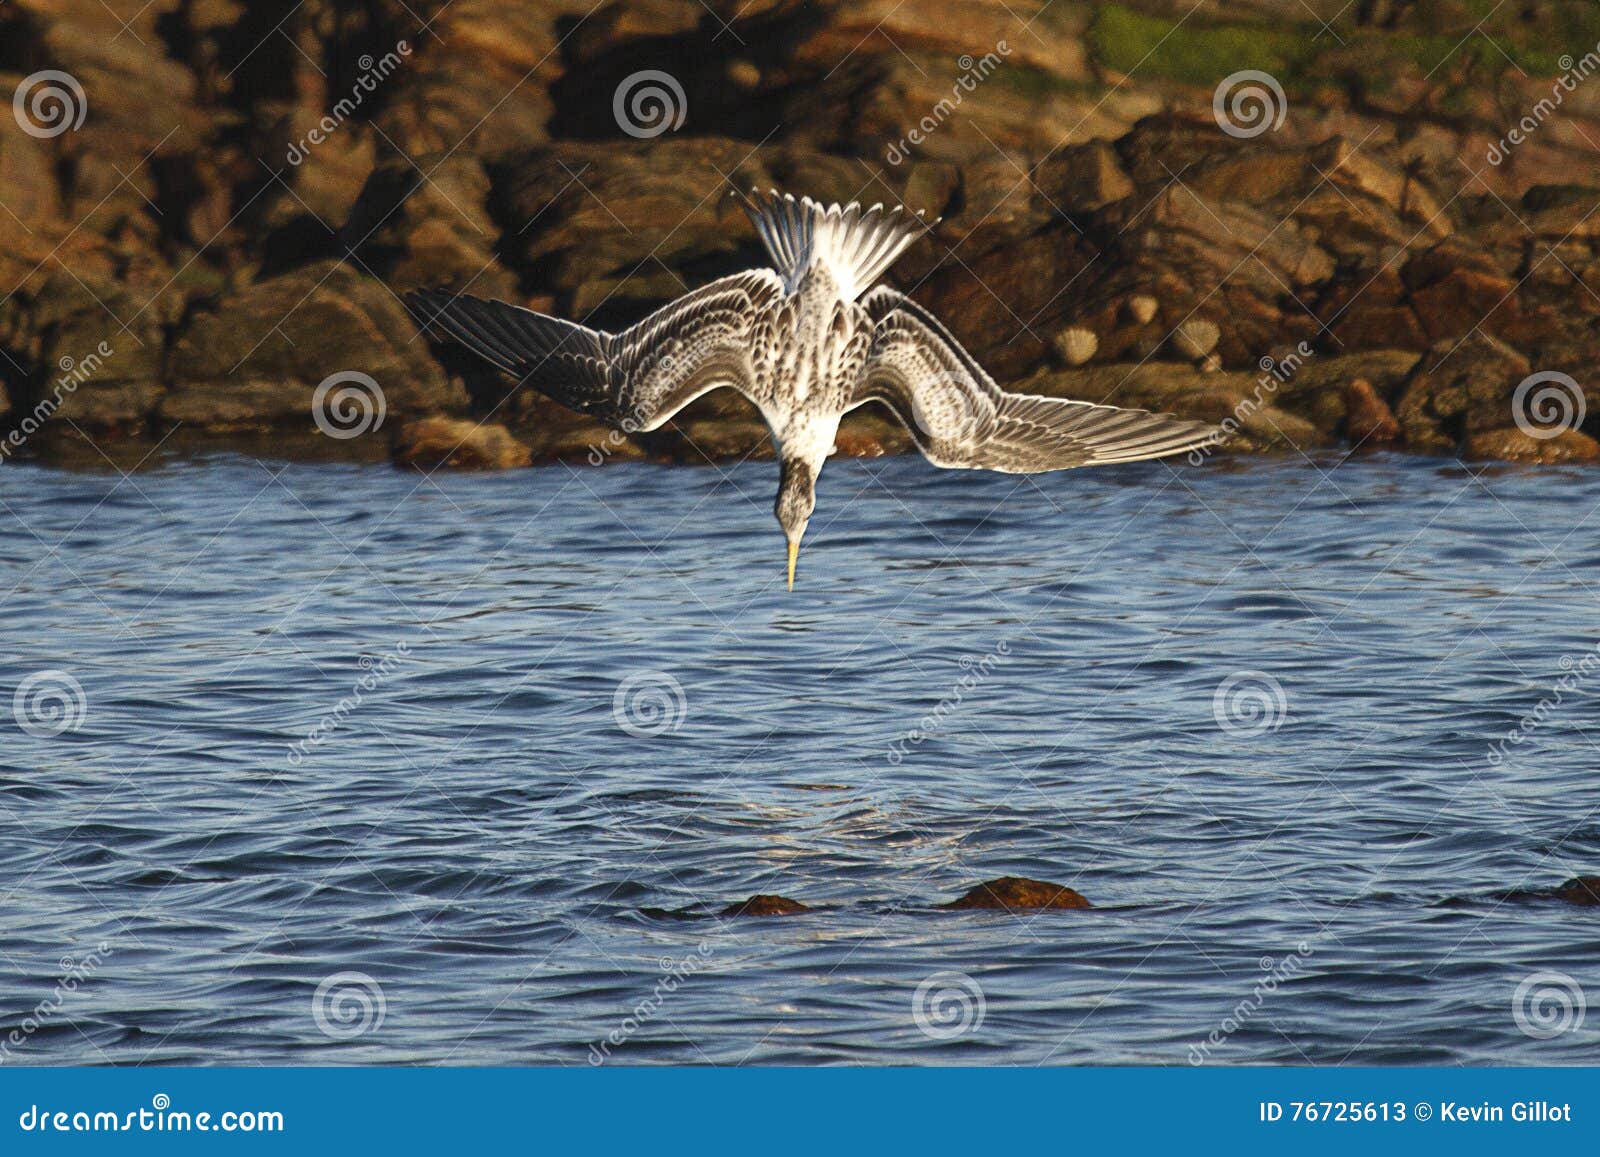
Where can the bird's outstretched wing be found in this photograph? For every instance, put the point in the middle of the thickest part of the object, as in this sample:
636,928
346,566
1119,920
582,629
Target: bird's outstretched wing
637,379
961,419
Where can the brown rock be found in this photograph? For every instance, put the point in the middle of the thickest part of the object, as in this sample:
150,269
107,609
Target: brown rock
1464,386
104,377
469,84
1361,171
1017,892
1509,444
765,905
1584,890
1368,419
257,361
649,219
439,441
1366,326
415,232
1083,178
868,434
1463,299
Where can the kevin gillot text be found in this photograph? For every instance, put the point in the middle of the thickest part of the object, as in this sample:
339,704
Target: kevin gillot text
1518,1111
1534,1112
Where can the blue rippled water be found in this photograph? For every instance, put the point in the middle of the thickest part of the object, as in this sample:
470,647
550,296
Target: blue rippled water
468,857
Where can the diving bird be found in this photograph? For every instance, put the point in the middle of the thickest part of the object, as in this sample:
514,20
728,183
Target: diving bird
807,342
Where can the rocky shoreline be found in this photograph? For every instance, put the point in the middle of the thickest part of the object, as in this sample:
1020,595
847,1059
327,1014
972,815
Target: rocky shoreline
210,257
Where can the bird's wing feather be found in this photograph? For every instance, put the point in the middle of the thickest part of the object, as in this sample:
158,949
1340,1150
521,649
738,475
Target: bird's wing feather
961,419
639,378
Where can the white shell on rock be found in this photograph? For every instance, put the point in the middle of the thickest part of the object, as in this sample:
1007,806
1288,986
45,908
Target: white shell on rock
1196,337
1076,345
1142,308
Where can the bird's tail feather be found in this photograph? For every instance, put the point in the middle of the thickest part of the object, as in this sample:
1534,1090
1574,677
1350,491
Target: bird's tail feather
858,245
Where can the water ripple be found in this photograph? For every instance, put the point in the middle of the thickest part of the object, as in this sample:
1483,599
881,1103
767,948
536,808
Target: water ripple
345,733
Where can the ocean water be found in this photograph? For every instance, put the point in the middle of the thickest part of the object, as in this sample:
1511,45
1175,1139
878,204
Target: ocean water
326,764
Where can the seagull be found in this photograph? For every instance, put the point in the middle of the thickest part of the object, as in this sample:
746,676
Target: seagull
807,342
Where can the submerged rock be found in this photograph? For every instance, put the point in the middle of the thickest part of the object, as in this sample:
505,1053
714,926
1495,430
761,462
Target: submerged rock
1584,890
765,905
1018,892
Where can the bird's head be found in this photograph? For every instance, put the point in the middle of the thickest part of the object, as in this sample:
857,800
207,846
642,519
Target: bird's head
797,498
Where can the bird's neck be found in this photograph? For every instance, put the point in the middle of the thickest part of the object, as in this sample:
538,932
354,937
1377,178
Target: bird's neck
806,444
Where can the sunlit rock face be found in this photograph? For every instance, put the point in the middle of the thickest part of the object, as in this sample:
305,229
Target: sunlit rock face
1117,173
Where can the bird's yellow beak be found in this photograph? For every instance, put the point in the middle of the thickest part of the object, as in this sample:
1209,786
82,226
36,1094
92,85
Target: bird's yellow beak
794,553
